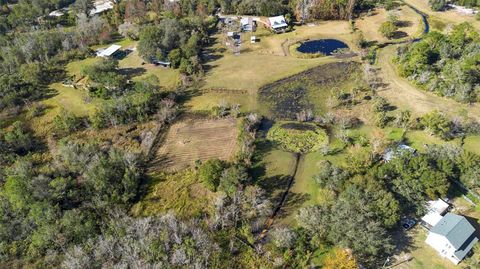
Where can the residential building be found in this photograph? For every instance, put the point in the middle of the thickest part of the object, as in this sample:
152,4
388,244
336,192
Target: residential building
453,237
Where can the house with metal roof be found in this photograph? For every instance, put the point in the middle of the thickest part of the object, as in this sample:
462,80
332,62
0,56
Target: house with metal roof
278,23
453,237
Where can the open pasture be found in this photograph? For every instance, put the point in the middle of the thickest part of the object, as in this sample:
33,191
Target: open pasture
192,140
268,60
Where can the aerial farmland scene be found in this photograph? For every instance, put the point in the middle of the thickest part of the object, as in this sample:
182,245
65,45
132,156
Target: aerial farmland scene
334,134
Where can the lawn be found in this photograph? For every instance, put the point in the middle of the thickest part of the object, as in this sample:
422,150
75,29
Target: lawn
424,256
70,99
134,64
74,100
272,169
75,68
418,140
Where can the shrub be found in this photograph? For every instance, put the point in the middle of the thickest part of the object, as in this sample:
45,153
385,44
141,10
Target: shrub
437,124
298,138
66,121
388,29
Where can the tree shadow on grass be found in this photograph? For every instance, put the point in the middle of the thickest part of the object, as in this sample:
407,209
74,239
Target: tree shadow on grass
132,72
403,241
293,202
404,24
399,34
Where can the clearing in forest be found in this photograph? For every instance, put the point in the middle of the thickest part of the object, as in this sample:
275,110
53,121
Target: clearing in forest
192,140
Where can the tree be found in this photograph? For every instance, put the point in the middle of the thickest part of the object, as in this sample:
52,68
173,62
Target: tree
232,178
437,124
156,41
438,5
283,237
83,6
18,138
105,77
175,57
210,172
388,29
340,259
66,121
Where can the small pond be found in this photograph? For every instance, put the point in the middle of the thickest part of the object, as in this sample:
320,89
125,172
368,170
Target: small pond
324,46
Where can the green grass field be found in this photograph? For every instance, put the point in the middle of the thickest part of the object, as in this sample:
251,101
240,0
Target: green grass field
272,169
167,77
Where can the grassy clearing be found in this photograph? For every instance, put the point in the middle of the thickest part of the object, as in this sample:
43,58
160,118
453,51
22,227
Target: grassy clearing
267,61
167,77
180,193
272,168
411,24
209,99
250,71
75,68
71,99
192,140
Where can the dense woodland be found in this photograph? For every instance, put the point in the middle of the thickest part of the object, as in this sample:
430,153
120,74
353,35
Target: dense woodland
445,64
439,5
65,199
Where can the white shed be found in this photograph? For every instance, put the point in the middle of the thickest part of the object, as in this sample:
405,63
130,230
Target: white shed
436,210
108,51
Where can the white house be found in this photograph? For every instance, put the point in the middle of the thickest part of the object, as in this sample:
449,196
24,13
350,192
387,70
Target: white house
436,210
453,237
110,51
248,24
278,23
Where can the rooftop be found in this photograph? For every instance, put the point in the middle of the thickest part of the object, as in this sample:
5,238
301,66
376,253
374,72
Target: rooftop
108,51
455,228
101,6
278,22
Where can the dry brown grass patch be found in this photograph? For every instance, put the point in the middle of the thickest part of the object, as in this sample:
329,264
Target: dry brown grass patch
192,140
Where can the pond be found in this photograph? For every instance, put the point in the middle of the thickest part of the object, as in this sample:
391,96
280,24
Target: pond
324,46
